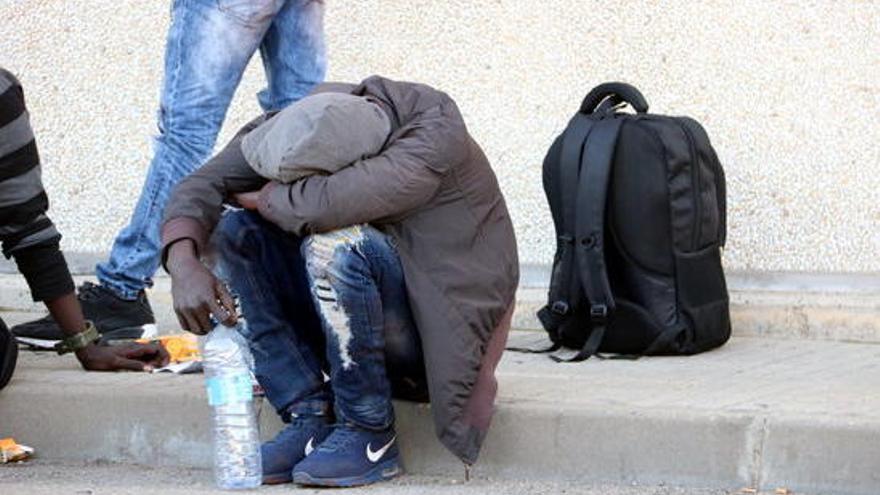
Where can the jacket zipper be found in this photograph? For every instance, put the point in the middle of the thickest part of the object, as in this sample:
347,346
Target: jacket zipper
695,183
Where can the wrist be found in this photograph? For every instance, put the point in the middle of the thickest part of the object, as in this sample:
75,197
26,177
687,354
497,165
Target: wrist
79,341
181,253
83,353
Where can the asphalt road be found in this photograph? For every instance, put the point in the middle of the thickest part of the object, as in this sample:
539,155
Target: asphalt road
39,477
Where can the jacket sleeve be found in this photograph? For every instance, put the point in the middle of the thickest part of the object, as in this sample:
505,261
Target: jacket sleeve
392,184
197,201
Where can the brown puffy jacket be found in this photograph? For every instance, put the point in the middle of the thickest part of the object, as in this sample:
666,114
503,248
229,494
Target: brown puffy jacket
433,192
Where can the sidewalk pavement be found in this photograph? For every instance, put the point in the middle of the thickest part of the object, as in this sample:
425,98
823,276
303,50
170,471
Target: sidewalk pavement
759,412
43,477
53,478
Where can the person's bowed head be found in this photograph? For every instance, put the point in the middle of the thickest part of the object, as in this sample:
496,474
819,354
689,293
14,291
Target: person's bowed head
319,134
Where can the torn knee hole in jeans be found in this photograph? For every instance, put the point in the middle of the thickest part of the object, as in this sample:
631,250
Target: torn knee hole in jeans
336,320
325,293
323,250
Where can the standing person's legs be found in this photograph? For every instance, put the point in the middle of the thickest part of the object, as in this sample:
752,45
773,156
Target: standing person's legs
294,53
358,285
264,268
209,45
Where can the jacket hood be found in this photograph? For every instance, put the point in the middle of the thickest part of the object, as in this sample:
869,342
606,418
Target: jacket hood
319,134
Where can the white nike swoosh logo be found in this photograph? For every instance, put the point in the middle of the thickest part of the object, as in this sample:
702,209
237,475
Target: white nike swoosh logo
375,456
310,447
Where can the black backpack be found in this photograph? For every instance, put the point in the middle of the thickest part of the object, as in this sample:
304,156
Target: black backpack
8,354
638,203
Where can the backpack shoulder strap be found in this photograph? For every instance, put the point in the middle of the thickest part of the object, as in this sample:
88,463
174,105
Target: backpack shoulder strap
589,230
563,286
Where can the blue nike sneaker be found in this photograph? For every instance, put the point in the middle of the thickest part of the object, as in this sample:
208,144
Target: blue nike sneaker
350,456
292,444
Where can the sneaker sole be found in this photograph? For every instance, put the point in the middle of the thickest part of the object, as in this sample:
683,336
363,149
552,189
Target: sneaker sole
38,344
277,478
381,472
150,330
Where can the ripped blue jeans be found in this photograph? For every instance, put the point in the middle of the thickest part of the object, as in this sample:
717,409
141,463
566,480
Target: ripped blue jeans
332,304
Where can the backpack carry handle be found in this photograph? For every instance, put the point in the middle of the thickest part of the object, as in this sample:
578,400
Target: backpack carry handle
618,90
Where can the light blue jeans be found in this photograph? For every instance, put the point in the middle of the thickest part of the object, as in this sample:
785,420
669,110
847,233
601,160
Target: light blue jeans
210,42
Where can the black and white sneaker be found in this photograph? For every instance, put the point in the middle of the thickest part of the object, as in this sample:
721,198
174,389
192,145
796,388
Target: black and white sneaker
115,318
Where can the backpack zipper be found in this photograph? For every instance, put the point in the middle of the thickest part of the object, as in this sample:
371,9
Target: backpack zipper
695,183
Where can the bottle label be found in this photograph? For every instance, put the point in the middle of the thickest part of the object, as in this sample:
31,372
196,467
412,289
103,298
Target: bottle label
229,389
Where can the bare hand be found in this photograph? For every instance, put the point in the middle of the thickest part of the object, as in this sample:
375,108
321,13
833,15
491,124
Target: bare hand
251,200
198,294
133,357
248,200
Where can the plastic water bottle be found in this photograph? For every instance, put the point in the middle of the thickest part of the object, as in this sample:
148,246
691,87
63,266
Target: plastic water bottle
228,364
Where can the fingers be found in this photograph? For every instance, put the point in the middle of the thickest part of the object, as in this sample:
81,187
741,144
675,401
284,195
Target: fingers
203,317
150,356
198,330
188,321
160,359
199,326
228,316
199,295
248,200
122,363
156,359
138,351
193,318
219,312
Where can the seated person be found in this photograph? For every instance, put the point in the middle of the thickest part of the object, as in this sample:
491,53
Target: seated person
29,236
394,275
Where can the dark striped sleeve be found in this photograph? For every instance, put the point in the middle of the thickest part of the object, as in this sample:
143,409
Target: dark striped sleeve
11,98
18,149
22,199
26,232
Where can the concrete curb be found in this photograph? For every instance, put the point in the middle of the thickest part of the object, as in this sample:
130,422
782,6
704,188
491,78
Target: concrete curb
820,306
759,412
758,309
805,315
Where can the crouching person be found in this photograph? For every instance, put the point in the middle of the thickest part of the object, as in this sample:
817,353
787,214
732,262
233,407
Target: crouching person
377,260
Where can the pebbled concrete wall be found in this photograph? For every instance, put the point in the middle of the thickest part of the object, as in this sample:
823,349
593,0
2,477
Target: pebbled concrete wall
789,92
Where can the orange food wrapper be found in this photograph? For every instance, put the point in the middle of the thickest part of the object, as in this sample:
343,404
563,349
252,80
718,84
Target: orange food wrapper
181,348
10,451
